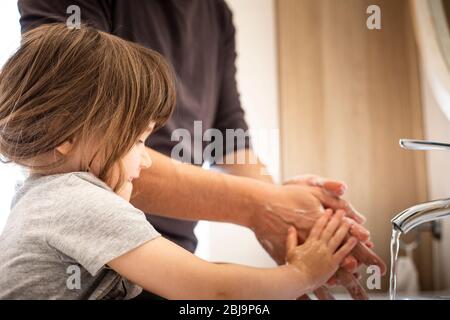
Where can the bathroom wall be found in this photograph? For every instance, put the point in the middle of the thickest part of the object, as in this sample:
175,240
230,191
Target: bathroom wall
9,41
257,81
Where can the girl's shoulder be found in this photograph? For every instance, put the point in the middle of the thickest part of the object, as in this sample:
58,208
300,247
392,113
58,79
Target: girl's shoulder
74,192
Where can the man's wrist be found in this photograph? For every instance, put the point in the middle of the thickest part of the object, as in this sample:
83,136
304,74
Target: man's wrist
254,198
262,204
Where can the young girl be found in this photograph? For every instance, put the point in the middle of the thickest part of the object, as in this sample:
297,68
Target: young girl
75,109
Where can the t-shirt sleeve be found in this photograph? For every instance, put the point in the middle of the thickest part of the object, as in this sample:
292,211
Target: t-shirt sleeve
33,13
94,226
230,114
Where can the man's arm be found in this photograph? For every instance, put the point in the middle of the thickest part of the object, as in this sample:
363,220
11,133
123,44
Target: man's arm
184,191
245,163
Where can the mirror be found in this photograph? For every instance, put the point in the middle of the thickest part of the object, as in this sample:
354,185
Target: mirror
432,24
440,12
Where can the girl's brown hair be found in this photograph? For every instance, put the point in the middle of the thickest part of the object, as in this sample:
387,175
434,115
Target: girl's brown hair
84,86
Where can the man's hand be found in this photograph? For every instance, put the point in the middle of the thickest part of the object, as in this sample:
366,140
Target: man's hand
332,191
299,206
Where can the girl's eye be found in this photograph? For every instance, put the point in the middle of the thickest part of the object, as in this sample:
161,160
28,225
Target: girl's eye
140,141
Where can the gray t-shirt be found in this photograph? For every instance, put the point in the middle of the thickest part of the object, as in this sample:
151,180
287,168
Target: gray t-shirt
61,232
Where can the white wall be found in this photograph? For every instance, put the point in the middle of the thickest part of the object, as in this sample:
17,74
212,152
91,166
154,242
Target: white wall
9,41
9,29
257,81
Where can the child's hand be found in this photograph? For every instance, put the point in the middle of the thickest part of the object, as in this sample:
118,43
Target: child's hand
321,254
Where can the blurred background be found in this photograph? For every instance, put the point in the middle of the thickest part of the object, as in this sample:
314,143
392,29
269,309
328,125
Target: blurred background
339,96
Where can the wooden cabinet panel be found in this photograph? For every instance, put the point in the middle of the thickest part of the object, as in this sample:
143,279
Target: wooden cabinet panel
347,95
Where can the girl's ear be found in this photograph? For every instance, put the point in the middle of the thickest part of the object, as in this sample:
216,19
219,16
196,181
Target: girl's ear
65,147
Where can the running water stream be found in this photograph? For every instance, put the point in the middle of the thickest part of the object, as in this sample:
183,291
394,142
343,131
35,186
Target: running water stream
395,246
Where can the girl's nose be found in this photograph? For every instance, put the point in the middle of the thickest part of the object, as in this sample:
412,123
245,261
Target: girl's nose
146,161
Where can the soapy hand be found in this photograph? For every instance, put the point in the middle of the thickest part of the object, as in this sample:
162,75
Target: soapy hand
324,249
300,202
346,276
299,206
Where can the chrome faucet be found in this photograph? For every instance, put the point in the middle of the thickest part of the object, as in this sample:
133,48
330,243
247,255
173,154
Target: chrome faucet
421,213
427,211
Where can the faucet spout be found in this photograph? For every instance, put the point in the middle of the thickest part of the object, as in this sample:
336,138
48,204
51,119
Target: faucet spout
410,144
421,213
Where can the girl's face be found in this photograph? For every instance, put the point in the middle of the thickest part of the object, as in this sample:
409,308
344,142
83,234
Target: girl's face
133,162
